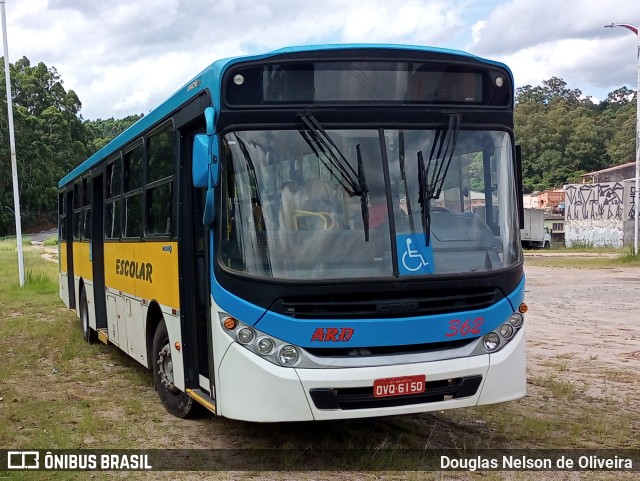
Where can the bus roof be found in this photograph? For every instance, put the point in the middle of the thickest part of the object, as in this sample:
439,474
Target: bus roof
209,79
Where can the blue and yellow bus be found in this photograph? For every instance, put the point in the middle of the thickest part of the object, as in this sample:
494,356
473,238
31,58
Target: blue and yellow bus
314,233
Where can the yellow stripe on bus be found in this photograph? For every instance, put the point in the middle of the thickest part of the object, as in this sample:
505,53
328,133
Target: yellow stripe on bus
62,256
147,270
82,266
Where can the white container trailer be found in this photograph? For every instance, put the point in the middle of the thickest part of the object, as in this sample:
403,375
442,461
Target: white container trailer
534,235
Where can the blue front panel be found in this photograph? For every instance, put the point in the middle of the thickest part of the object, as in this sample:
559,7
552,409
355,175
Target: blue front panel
371,332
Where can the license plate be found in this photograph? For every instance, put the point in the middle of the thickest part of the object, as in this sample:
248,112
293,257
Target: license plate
399,386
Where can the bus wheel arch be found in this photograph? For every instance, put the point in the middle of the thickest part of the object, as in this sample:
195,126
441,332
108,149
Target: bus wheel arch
88,334
154,316
176,402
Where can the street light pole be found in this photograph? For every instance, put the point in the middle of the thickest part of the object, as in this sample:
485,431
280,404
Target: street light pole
636,204
12,144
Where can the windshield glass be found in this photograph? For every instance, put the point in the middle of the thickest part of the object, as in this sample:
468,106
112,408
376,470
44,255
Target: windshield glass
298,205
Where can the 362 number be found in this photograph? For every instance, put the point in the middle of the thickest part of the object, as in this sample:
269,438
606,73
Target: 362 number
466,328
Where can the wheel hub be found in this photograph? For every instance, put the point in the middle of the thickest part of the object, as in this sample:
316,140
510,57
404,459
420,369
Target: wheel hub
165,368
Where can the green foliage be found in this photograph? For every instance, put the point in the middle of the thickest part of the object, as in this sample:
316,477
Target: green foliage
51,241
103,131
51,139
38,282
564,135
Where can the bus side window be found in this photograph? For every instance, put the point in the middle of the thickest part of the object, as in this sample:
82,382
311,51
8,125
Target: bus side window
133,193
159,188
133,169
112,204
133,214
159,207
78,214
86,214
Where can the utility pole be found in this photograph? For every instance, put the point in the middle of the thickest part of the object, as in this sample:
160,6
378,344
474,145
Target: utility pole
12,143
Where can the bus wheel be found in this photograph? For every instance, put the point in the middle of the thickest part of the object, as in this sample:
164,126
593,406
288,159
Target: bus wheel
178,403
88,334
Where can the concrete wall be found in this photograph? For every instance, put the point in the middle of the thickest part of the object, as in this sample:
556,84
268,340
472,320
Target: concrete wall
531,201
629,211
595,214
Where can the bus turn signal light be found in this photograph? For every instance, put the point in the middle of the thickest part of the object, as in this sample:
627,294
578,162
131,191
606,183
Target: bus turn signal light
523,308
230,323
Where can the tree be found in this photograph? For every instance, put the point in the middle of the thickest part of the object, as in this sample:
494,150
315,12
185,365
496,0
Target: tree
564,135
554,88
51,138
617,123
105,130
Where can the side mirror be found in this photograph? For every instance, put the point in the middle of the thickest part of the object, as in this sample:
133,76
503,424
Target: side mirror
200,161
205,164
205,168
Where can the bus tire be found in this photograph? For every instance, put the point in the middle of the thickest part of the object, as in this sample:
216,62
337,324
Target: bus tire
88,334
178,403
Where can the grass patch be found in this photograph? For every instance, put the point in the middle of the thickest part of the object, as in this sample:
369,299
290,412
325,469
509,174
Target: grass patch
38,282
51,241
583,246
8,244
558,387
629,258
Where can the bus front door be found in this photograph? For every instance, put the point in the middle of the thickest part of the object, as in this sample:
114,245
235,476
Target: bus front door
195,281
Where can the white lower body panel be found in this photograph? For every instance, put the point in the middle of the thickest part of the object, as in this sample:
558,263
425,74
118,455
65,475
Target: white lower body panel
253,389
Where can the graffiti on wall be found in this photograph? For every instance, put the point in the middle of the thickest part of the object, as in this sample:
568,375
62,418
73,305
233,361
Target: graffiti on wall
595,201
599,233
595,214
632,203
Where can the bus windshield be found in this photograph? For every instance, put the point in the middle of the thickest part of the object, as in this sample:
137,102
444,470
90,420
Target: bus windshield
357,203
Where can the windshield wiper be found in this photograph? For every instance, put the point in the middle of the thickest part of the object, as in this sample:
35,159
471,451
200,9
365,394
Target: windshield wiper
354,183
364,194
424,198
403,175
431,188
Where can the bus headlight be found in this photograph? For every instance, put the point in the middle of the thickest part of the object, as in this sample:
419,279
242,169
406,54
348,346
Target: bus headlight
502,335
506,331
288,355
245,335
271,349
516,319
265,345
491,341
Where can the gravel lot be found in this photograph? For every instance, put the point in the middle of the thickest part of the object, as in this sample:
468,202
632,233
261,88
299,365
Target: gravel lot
584,315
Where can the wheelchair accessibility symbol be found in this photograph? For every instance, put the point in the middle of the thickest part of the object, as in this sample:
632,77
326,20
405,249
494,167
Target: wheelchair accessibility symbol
414,256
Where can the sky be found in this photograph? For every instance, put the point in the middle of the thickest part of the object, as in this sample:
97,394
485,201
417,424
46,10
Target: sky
125,57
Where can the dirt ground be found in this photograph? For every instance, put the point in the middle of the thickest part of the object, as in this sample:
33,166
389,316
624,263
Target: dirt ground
586,318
